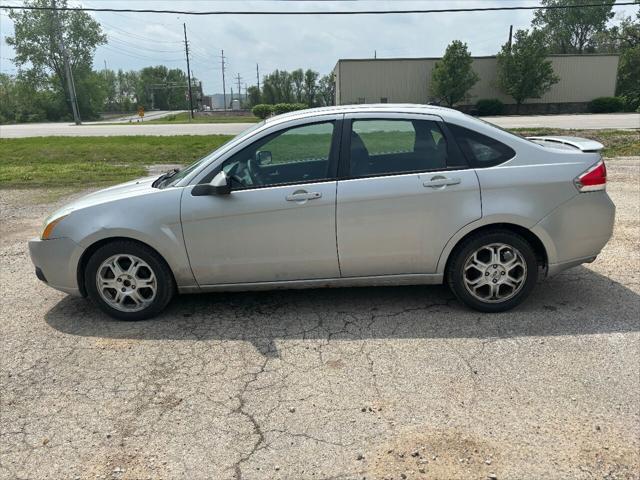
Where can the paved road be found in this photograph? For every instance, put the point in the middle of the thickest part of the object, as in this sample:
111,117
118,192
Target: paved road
318,384
578,122
152,115
600,121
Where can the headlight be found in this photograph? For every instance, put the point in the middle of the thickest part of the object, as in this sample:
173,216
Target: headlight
49,227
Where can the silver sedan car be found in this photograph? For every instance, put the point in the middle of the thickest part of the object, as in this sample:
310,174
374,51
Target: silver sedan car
340,196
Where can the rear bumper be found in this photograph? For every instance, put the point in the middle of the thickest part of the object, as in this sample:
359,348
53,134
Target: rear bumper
555,268
56,263
577,230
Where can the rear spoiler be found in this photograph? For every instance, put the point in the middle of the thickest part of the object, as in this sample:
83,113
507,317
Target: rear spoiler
567,143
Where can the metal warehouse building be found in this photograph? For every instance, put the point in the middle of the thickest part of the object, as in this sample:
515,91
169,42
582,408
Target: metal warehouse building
406,80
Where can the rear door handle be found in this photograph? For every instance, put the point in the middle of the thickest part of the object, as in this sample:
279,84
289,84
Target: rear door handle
440,181
302,196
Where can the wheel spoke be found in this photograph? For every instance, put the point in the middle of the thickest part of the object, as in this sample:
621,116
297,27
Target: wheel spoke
133,267
495,255
115,267
495,291
511,282
478,282
109,283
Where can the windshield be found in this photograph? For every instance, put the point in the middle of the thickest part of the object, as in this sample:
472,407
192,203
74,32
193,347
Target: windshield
174,179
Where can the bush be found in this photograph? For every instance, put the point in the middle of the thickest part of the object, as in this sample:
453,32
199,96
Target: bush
606,105
631,102
262,110
489,106
280,108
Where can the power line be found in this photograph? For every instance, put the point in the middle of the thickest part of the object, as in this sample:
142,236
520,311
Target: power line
111,38
139,37
322,12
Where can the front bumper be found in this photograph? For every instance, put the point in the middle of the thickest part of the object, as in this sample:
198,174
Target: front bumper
56,262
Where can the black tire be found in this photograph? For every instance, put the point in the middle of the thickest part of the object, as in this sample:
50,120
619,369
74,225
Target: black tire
165,285
456,269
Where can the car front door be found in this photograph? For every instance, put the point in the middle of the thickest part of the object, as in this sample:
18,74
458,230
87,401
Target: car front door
404,191
278,222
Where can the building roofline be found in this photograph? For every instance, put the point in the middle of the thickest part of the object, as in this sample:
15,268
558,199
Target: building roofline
395,59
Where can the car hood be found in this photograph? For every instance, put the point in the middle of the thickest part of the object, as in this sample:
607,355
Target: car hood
117,192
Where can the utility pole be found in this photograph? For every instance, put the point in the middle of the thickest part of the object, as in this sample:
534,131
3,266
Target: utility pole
510,35
258,76
238,78
186,49
224,90
67,67
375,54
246,96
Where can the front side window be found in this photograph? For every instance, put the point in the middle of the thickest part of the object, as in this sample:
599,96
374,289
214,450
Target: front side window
384,147
480,150
296,155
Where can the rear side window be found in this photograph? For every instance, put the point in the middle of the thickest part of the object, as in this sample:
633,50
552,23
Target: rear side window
480,150
386,147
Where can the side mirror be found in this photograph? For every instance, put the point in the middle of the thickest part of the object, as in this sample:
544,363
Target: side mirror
219,185
263,157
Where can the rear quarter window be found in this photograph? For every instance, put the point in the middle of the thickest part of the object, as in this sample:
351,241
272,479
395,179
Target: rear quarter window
480,150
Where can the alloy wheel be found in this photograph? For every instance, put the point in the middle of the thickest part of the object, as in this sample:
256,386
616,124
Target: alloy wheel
126,283
495,273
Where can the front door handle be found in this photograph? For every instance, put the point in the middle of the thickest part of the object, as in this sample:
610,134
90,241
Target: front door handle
302,196
440,181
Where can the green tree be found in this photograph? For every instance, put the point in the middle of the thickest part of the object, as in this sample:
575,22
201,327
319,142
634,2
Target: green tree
37,47
297,80
163,88
624,39
327,90
310,87
572,30
254,96
110,82
524,70
27,99
453,77
620,37
278,87
628,85
127,85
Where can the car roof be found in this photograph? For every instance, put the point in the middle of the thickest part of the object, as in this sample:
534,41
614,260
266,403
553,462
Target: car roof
369,107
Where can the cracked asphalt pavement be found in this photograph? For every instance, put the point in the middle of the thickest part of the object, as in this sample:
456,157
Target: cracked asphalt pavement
382,383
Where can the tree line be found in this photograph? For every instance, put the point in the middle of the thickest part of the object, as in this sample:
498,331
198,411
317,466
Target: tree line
38,91
298,86
524,70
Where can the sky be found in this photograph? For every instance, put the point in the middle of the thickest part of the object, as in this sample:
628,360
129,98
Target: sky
285,42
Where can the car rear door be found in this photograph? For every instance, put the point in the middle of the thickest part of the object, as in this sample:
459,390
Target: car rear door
404,190
278,222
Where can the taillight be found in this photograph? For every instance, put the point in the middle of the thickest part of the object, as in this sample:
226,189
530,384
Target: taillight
593,179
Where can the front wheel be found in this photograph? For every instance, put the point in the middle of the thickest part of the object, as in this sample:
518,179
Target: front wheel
128,280
493,271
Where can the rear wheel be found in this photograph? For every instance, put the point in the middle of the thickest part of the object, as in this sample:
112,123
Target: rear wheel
493,271
128,280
